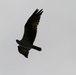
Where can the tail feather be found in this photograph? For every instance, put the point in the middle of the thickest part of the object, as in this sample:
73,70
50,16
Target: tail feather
23,51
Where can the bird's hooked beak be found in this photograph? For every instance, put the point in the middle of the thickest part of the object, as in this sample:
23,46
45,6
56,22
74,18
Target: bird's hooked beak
18,41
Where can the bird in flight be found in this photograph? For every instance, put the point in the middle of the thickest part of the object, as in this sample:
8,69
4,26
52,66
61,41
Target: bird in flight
30,31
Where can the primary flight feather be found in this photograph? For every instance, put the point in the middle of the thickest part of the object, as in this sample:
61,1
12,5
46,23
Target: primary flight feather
30,30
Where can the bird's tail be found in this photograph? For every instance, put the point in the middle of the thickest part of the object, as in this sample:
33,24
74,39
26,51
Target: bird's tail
23,51
37,48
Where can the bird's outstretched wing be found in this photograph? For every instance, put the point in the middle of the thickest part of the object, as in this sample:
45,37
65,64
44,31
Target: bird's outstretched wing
31,27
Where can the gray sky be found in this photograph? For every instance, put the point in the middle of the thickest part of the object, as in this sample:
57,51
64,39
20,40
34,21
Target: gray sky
56,35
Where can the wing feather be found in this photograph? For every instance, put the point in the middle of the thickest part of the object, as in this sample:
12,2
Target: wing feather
31,27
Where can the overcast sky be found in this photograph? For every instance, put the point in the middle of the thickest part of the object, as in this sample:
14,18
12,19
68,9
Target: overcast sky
56,36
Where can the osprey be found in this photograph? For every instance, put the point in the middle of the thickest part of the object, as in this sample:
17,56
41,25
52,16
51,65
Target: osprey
30,30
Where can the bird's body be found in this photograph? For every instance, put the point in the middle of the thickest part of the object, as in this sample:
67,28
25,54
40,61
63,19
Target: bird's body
30,30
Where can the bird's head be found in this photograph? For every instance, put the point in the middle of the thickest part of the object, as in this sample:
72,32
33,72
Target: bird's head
18,41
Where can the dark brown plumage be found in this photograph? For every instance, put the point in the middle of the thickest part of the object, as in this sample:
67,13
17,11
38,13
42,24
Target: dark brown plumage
30,30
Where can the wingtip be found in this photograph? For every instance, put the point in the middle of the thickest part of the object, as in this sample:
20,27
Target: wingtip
40,12
37,9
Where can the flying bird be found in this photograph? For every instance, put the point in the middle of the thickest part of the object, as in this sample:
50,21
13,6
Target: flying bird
30,31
